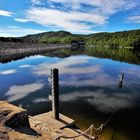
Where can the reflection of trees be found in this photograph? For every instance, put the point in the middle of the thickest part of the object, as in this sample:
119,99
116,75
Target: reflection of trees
137,46
121,54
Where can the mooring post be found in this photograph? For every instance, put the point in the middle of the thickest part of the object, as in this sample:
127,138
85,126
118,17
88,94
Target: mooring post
121,80
55,93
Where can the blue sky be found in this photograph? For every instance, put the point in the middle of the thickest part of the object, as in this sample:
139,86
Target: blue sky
22,17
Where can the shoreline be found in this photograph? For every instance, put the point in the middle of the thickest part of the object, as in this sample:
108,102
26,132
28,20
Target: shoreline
12,51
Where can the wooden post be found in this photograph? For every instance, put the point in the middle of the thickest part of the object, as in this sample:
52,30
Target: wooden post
121,80
55,93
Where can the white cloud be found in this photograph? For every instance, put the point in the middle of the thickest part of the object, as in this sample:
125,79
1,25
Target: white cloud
71,16
2,34
13,27
135,19
17,31
70,21
21,20
7,72
17,92
5,13
105,7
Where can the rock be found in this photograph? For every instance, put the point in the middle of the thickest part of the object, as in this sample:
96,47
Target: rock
3,133
13,116
4,136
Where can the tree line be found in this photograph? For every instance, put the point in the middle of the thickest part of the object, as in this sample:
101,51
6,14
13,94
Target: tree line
123,39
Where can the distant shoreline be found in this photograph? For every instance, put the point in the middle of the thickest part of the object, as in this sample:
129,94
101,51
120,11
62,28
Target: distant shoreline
16,50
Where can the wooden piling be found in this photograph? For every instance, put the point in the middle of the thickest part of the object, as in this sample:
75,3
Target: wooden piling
121,80
55,93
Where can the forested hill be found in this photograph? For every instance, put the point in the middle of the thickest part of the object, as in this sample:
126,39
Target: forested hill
117,39
49,37
121,39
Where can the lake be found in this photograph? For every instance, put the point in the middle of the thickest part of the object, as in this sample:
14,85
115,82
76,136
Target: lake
89,91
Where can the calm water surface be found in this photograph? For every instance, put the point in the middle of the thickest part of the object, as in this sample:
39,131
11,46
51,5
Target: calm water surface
88,90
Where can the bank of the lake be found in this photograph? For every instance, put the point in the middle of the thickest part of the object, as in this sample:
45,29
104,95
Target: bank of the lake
17,50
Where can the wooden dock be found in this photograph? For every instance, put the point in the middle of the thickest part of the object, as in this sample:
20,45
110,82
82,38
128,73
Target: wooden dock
40,127
46,125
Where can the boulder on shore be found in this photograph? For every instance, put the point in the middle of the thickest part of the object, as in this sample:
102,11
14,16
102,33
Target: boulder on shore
13,116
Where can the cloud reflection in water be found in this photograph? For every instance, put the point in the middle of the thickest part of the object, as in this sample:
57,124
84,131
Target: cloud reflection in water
25,66
68,65
87,78
8,72
102,101
17,92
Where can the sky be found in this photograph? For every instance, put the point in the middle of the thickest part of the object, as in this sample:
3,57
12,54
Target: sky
22,17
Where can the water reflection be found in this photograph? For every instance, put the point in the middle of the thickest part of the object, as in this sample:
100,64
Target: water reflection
25,66
7,72
103,101
88,87
90,78
17,92
70,65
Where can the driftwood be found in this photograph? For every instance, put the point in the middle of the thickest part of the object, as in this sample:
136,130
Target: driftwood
13,116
